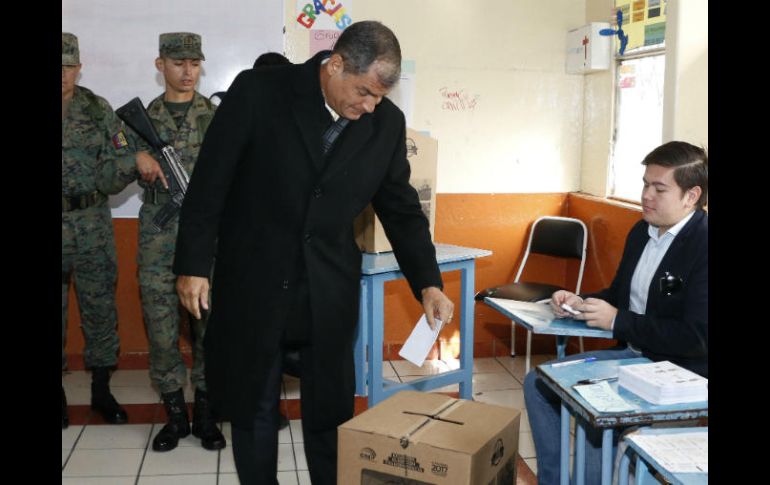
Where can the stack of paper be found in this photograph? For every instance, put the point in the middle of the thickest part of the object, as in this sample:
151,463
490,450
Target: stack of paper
663,383
534,313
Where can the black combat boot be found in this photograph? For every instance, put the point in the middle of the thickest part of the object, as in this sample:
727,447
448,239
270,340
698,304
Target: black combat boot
65,420
178,425
204,426
102,400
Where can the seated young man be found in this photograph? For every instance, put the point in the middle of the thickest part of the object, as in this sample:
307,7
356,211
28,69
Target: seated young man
657,304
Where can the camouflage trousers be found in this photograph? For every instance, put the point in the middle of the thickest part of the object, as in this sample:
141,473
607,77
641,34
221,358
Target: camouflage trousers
162,317
88,260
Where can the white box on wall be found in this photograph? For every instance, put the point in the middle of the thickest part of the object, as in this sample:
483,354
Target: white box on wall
587,51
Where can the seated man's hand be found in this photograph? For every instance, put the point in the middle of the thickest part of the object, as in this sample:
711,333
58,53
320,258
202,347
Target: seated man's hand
563,296
596,313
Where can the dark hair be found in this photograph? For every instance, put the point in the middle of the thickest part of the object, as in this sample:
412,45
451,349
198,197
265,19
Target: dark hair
271,59
691,165
363,43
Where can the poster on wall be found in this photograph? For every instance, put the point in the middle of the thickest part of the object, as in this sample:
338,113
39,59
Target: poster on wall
322,39
644,21
118,49
323,14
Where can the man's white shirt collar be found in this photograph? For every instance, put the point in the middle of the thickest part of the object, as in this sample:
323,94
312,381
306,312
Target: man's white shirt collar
673,230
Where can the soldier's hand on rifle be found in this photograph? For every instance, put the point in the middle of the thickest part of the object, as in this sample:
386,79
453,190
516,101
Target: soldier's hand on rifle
149,168
193,293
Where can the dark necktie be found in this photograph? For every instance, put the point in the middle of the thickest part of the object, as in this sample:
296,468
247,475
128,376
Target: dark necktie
331,134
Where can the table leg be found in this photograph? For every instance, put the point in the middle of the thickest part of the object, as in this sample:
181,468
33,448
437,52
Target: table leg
513,338
529,353
623,472
561,346
607,456
564,458
638,473
359,348
376,317
579,476
467,279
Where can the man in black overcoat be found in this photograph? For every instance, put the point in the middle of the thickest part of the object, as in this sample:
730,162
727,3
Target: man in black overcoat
292,156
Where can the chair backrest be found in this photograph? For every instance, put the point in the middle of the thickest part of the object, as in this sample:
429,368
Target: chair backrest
563,237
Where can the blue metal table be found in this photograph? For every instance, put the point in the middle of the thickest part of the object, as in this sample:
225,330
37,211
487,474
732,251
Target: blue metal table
561,380
376,269
642,476
563,328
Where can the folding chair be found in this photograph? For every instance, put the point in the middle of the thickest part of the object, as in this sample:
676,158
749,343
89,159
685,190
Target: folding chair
563,237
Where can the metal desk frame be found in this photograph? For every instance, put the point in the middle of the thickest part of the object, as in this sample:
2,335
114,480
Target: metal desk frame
376,270
561,380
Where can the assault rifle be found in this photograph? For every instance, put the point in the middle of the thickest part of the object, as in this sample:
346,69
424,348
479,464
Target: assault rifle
135,116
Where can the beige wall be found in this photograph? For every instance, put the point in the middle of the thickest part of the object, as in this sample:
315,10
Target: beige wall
686,104
598,96
511,54
531,118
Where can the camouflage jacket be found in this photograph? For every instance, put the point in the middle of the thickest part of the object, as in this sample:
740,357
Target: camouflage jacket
92,139
158,249
186,140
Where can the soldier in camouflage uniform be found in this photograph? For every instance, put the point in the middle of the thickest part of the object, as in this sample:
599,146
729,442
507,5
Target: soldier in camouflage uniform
91,137
181,116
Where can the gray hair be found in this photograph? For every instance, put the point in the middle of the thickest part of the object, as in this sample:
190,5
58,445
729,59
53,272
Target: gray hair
364,43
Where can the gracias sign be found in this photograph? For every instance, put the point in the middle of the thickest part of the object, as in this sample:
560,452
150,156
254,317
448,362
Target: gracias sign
324,14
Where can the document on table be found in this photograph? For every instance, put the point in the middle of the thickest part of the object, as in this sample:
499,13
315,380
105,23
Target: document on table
535,314
420,341
603,398
677,453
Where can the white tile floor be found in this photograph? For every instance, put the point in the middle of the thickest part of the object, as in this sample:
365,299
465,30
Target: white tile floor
121,454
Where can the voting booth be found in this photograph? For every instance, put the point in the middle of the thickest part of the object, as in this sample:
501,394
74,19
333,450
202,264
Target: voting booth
422,153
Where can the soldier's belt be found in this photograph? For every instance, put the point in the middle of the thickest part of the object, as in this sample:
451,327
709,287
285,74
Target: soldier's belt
78,202
155,197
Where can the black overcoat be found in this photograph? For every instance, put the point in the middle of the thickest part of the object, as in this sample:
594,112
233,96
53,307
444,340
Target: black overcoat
265,204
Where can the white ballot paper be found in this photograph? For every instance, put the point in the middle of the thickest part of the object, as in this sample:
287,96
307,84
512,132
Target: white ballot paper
603,398
679,452
420,341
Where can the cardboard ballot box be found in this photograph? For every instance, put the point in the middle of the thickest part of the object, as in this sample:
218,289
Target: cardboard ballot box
422,153
416,438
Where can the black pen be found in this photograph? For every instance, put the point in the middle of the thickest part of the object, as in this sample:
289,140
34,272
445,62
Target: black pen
596,380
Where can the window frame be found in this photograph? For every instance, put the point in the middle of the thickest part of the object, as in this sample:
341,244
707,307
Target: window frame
637,53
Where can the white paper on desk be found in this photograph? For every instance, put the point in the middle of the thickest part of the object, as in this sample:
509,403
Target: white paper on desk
603,398
534,313
420,341
678,453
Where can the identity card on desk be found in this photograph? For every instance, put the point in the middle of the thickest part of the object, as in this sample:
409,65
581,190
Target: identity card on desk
420,341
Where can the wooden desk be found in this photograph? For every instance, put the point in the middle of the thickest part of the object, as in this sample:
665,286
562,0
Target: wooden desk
561,380
376,269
